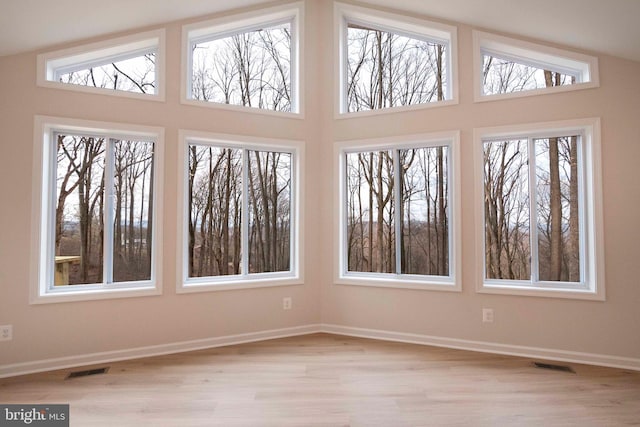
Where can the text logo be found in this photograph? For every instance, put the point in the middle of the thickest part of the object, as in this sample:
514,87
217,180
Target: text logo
34,415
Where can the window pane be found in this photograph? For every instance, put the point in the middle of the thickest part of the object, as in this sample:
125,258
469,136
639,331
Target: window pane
133,205
79,219
425,219
130,75
506,210
215,206
251,69
557,204
269,211
506,76
389,70
370,212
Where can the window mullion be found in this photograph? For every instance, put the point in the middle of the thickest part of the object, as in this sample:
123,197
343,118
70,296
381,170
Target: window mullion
108,213
533,212
244,217
397,212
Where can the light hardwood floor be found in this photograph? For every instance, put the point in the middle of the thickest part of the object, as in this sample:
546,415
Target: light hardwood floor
329,380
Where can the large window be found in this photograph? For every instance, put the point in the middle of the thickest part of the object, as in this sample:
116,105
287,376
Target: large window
248,61
539,217
389,61
507,67
399,213
98,199
239,224
127,66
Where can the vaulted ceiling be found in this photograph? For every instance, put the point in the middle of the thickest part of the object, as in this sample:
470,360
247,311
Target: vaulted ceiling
602,26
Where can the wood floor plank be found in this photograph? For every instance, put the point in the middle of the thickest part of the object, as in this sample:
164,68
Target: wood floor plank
330,380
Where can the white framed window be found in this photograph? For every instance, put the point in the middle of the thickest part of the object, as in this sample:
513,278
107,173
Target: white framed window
403,236
239,223
97,214
248,62
539,210
505,68
130,66
388,61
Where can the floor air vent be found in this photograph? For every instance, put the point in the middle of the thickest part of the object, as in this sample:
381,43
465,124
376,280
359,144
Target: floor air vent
553,367
88,372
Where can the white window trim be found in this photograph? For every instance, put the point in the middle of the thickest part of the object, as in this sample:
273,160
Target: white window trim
593,287
392,280
400,24
90,54
233,24
295,276
43,202
534,54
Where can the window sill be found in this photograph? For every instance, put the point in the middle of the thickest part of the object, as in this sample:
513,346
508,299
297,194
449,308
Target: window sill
242,109
102,91
537,291
535,92
392,110
235,284
66,295
400,282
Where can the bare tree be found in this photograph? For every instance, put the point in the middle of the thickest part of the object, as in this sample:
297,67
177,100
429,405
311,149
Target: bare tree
507,76
130,75
388,70
251,69
84,158
216,189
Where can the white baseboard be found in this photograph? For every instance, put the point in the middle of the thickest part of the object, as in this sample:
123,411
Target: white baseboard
156,350
179,347
489,347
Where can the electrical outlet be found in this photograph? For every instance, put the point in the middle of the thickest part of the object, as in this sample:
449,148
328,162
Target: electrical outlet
287,303
487,315
6,332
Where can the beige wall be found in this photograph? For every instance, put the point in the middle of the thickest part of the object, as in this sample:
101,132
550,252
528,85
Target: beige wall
66,329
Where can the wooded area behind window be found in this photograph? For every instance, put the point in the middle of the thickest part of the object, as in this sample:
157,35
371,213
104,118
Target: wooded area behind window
251,69
387,70
221,183
104,187
136,74
532,191
414,240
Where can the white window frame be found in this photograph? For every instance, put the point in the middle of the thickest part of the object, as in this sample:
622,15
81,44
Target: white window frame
592,285
43,199
583,67
398,24
229,25
342,276
295,276
51,64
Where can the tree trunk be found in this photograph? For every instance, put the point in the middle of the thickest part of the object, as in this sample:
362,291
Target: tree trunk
556,211
442,215
574,215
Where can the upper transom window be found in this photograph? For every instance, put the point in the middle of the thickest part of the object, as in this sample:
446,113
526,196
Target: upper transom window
249,61
389,61
506,67
127,66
